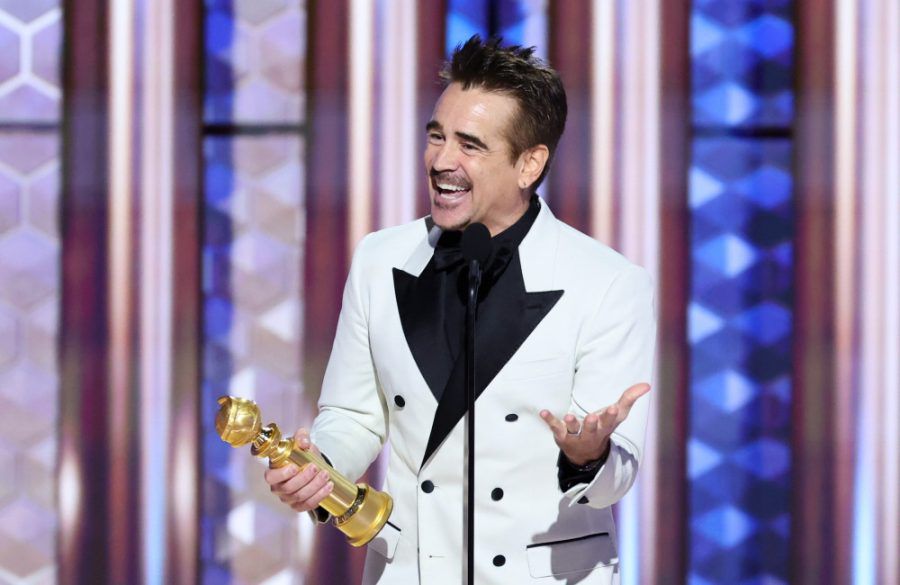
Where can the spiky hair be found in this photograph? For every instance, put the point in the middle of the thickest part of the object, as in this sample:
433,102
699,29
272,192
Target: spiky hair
514,71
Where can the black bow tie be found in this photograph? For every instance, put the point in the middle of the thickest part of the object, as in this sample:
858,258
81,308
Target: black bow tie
448,251
448,255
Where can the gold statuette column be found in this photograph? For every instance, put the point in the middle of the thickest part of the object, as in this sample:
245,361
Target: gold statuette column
359,511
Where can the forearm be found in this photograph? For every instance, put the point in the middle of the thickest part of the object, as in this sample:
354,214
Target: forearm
350,445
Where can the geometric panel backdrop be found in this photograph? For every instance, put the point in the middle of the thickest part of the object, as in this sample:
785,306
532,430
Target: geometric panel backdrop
518,22
740,333
740,311
252,278
252,266
742,63
255,60
29,287
464,19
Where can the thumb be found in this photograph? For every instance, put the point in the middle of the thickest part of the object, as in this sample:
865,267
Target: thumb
301,439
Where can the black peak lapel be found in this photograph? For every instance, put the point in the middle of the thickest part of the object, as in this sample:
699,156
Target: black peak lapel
421,308
506,318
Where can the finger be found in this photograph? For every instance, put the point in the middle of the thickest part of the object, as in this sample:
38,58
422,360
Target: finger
609,418
553,422
556,425
591,424
309,489
301,439
315,500
572,426
630,396
292,486
279,475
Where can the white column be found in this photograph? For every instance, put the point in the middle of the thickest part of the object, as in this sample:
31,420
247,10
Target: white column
877,303
625,101
604,73
155,118
400,167
362,47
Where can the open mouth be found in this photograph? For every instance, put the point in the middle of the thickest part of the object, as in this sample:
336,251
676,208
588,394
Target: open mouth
450,191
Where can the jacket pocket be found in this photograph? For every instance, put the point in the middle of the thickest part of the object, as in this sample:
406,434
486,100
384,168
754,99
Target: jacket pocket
572,555
385,543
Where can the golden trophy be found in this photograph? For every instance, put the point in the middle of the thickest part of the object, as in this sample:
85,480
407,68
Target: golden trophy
359,511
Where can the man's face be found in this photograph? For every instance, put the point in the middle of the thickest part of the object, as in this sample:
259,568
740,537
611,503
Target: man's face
470,175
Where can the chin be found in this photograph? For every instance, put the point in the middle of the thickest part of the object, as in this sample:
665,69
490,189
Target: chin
449,219
448,223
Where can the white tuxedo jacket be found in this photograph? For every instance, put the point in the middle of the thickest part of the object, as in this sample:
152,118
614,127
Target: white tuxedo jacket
574,351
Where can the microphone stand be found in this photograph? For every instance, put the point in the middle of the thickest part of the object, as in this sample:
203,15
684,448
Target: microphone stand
471,308
476,249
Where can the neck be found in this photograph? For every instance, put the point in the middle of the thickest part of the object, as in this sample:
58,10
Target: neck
496,226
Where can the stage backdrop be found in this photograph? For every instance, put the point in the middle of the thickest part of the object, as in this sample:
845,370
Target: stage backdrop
30,123
182,186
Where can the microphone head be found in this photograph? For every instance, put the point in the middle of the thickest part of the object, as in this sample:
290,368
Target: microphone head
476,243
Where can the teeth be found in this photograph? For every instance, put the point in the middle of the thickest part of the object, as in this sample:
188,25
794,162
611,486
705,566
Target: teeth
445,187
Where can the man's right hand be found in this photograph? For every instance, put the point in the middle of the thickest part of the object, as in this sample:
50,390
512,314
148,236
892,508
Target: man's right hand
301,490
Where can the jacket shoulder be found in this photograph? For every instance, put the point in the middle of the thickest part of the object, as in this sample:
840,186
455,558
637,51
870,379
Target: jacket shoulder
588,257
390,245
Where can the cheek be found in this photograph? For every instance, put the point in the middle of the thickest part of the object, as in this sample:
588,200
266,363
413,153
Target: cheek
492,178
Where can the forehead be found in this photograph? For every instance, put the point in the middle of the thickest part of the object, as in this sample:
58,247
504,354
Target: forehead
474,111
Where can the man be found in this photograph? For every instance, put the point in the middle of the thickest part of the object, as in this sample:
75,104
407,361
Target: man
564,325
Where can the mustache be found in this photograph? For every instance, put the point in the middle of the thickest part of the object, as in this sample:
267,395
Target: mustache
435,174
448,177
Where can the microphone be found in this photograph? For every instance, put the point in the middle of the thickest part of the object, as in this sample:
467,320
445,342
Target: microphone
476,249
476,244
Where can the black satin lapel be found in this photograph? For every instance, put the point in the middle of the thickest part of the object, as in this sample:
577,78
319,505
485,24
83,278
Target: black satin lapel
505,320
422,315
451,408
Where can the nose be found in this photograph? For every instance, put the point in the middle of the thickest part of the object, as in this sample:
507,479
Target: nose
444,158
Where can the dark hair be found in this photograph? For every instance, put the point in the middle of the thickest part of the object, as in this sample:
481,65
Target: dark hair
516,72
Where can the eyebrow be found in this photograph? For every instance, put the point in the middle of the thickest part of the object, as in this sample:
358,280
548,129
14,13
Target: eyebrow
435,125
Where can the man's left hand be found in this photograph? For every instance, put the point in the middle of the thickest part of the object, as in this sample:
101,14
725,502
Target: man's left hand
585,441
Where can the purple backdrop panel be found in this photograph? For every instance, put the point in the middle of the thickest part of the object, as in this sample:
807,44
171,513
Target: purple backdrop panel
29,306
30,35
252,287
255,60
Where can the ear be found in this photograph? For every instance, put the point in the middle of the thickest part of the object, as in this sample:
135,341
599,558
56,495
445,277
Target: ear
531,164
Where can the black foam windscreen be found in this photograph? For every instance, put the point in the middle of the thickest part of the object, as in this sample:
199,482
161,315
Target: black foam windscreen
476,243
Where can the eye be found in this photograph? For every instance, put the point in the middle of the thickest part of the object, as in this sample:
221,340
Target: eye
435,137
469,147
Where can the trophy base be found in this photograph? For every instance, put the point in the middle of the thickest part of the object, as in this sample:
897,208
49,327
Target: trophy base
368,519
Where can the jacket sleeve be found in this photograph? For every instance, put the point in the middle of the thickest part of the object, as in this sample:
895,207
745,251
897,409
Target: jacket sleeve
352,423
615,351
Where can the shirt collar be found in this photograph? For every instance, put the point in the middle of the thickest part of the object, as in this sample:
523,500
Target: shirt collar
448,253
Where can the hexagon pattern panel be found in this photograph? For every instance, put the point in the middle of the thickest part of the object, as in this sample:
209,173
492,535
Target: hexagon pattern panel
29,287
740,324
30,36
524,22
252,285
255,60
464,19
517,21
740,316
252,270
742,63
